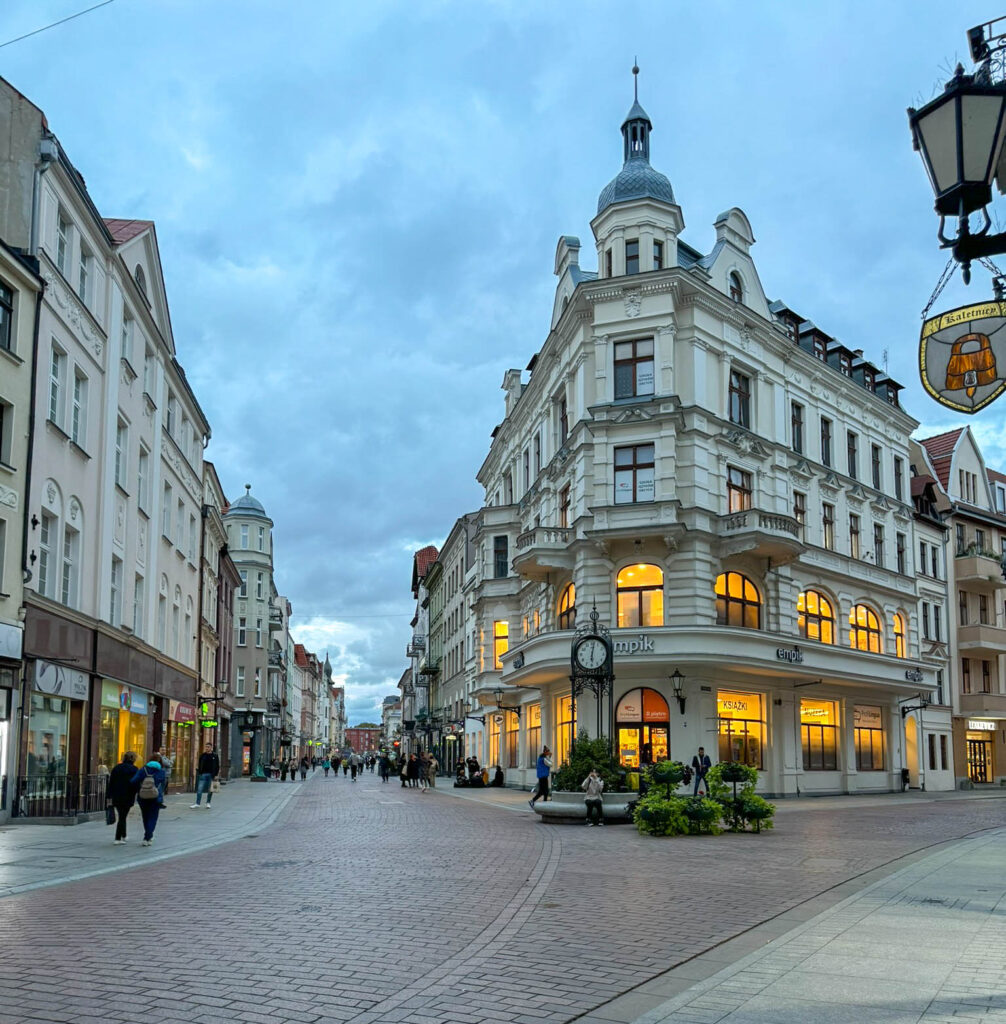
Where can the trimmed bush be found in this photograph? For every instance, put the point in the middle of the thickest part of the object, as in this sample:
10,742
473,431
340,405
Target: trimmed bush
658,815
586,755
703,815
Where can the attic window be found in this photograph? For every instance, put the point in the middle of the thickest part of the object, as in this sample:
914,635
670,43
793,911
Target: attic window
845,363
869,380
141,278
736,288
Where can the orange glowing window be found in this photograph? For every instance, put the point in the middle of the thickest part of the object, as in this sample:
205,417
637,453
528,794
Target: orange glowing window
816,617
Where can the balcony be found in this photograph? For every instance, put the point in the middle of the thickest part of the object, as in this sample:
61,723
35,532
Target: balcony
542,550
276,659
275,618
983,705
429,667
416,647
764,534
980,639
978,570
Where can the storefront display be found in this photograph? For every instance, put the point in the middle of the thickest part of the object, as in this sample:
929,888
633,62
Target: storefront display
123,723
48,736
980,739
869,729
741,727
178,740
643,723
819,735
533,713
565,728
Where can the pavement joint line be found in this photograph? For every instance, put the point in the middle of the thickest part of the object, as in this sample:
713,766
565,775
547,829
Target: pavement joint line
263,819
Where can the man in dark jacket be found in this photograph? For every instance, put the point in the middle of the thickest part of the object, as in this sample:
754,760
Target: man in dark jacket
121,793
207,770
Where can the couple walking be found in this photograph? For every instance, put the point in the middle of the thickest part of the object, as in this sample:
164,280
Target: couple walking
145,786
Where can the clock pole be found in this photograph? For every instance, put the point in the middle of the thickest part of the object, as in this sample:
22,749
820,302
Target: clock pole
597,676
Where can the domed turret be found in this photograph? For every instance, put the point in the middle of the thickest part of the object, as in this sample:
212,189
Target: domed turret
246,505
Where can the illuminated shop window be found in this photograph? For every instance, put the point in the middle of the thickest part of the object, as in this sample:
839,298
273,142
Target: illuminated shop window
816,617
819,734
501,642
864,629
643,724
869,736
533,734
565,729
741,727
640,596
900,647
738,602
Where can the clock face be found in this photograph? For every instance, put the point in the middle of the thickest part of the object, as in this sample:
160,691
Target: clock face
591,653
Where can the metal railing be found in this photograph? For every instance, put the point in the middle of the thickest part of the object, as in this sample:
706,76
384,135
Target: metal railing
57,796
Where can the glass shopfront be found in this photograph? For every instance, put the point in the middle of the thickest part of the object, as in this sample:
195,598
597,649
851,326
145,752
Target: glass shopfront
819,735
565,729
643,724
741,727
869,733
123,723
178,741
48,736
533,734
980,743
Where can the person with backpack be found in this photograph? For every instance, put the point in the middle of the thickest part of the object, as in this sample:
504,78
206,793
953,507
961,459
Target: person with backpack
148,782
206,771
121,794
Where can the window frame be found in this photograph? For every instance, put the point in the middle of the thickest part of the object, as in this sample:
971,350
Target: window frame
739,399
566,608
728,604
822,619
647,613
826,439
796,425
871,631
6,316
632,256
637,359
740,490
636,471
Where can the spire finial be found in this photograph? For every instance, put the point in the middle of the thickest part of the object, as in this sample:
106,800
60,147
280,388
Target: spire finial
247,489
635,79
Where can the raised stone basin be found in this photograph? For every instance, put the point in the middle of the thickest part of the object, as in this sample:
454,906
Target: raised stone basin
569,808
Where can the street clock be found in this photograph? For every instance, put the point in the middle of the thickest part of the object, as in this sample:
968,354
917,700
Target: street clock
590,654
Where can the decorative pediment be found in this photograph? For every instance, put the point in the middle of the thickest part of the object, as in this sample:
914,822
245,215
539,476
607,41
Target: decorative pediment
830,484
935,649
632,413
880,504
745,442
902,514
801,469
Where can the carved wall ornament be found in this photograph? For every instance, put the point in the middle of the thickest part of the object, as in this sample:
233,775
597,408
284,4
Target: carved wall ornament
74,509
69,306
633,302
8,497
50,492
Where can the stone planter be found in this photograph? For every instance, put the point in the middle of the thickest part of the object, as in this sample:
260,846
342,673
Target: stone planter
569,808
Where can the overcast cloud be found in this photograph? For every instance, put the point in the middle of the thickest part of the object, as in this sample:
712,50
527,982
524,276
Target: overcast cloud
357,207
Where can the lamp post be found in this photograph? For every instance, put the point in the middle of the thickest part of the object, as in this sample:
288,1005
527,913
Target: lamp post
679,691
960,136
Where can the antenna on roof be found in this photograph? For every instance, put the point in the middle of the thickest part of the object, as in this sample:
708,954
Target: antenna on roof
635,78
885,360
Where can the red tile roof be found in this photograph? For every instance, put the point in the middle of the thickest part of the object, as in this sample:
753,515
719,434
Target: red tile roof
123,230
425,557
996,475
300,655
941,451
920,483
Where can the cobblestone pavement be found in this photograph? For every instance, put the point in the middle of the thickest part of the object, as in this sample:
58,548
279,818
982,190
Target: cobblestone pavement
371,903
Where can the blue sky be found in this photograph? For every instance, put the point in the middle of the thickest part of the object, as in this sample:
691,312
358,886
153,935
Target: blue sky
357,207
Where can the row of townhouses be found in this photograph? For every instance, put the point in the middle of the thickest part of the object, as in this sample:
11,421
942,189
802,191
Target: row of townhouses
790,578
138,609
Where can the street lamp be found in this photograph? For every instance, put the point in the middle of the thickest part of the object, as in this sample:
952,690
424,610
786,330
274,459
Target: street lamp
679,692
959,136
498,694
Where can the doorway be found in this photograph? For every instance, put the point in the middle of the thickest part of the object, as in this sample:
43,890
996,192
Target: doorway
979,760
912,752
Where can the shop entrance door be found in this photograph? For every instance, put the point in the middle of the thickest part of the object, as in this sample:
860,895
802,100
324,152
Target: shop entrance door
979,760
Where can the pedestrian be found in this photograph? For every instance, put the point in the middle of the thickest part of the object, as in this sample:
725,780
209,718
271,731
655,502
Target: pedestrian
543,769
282,771
120,794
206,771
473,766
147,782
431,770
293,769
700,765
385,767
403,771
593,785
304,765
168,763
355,763
373,761
345,766
327,765
412,771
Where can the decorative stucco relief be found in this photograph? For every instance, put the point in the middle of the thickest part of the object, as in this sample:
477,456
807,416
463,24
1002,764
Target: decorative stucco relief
8,497
69,307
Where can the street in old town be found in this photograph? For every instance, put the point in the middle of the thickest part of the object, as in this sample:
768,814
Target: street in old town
331,902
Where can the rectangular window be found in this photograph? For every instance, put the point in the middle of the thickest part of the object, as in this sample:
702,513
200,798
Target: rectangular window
62,244
242,632
854,550
983,609
192,539
925,620
162,623
878,544
741,727
239,686
899,486
260,585
512,732
139,595
632,256
166,512
875,465
6,317
869,737
121,452
565,729
261,538
83,274
180,524
171,415
143,479
940,697
634,368
922,558
533,734
46,539
965,675
740,399
845,363
244,536
78,411
526,466
563,420
943,752
960,538
564,500
501,557
825,441
57,379
127,339
738,490
962,607
6,432
819,729
800,507
70,567
937,623
607,263
851,446
258,632
148,374
932,751
986,676
501,642
115,604
634,474
258,682
658,255
243,589
796,427
828,525
901,552
936,560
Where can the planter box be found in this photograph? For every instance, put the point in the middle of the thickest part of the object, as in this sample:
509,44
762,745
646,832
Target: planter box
569,808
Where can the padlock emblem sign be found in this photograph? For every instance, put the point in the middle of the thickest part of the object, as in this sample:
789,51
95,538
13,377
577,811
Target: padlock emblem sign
962,356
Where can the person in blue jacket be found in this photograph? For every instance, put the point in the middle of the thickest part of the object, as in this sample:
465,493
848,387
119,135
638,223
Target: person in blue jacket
149,784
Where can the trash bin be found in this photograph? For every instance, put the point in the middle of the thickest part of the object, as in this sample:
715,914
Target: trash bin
632,781
904,779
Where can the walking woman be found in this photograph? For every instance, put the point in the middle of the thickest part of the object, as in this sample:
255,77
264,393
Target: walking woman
121,794
147,782
327,765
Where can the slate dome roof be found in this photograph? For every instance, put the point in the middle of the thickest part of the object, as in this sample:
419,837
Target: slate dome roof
247,505
637,179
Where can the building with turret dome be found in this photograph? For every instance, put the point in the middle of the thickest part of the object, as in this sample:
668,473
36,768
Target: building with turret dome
728,485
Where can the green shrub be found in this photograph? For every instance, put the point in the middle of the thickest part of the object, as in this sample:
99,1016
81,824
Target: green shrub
703,815
667,774
658,815
586,755
726,777
756,810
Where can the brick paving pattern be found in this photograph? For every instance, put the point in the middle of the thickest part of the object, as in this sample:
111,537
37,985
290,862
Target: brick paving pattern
368,903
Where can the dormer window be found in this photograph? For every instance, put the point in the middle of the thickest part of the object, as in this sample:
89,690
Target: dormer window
632,256
869,380
820,349
845,363
736,288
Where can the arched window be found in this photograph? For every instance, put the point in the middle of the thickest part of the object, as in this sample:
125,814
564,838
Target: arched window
864,629
900,647
640,596
816,617
567,608
140,278
736,288
738,602
643,723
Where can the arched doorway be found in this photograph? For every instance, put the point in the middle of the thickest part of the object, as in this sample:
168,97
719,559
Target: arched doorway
642,724
912,751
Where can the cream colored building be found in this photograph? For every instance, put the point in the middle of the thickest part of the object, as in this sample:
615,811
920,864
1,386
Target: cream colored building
729,485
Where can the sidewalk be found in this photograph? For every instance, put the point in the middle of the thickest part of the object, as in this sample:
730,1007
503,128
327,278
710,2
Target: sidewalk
926,945
35,856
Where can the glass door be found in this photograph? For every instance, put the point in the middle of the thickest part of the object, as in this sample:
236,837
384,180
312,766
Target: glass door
979,760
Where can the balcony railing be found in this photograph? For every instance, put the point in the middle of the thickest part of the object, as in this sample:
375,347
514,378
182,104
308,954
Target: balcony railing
755,531
979,568
416,647
57,796
541,550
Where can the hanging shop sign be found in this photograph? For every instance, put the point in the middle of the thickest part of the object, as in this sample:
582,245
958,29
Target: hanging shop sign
182,712
60,680
138,703
962,356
